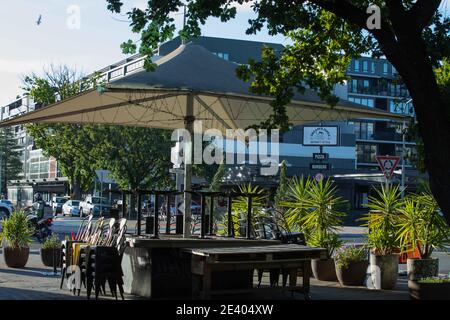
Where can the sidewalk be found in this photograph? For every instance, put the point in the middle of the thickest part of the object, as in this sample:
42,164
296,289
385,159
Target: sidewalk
36,282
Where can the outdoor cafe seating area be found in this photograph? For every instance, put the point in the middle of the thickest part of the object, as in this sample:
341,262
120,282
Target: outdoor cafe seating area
156,263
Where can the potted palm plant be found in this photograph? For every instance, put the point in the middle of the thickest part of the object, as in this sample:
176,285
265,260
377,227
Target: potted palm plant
51,252
312,208
351,265
422,228
382,239
16,238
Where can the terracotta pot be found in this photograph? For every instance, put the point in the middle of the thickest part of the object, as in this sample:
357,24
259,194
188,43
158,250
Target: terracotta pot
47,257
429,291
353,275
384,271
16,257
324,270
422,268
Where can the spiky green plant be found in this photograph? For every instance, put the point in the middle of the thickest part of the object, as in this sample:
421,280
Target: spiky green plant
16,231
421,226
382,220
295,202
312,209
240,205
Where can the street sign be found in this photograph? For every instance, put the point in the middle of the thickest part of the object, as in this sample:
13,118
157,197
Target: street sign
319,166
320,156
388,164
319,177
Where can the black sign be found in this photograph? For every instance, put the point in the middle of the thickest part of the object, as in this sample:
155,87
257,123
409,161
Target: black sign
319,166
320,156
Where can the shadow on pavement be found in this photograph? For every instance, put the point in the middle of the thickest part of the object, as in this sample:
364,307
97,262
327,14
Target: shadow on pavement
26,294
30,272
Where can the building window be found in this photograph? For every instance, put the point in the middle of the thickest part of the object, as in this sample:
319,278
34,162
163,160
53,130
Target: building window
354,85
366,86
365,66
372,67
364,130
357,65
366,153
385,68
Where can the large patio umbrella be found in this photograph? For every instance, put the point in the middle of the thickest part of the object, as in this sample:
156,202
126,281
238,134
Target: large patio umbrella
188,84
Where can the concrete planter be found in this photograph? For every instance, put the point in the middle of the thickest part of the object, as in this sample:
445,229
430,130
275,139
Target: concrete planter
354,275
384,271
16,257
429,291
422,268
324,270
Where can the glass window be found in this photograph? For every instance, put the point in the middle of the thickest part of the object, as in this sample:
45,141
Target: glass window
365,66
372,67
366,153
226,56
385,68
356,65
354,85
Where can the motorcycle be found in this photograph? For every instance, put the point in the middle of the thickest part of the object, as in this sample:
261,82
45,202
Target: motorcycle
41,228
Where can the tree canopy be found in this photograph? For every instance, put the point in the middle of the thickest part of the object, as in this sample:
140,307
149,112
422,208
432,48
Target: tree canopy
326,34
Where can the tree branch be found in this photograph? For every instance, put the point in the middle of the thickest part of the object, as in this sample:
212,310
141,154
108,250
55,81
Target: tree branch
422,12
348,11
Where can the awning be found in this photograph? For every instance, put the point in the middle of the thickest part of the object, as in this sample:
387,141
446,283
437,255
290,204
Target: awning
158,99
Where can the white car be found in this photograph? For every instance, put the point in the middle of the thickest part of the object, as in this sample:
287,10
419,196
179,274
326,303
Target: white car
57,204
71,208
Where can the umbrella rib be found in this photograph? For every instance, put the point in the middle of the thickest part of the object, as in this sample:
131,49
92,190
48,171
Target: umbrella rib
207,108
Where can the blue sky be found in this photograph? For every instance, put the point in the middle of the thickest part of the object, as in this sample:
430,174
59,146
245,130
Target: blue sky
27,47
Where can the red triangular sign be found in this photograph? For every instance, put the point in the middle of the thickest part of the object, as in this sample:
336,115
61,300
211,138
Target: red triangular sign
388,164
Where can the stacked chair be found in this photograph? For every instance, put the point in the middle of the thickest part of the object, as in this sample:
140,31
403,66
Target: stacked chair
271,227
96,252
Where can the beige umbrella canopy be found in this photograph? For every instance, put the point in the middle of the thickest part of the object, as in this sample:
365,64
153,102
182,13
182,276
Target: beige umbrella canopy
158,99
189,84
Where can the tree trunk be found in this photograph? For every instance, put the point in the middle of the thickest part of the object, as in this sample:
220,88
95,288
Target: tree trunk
76,187
411,60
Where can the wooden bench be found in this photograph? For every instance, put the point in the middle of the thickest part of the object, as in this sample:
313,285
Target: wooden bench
209,263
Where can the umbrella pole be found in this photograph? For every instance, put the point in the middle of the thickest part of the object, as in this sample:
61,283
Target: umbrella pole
189,126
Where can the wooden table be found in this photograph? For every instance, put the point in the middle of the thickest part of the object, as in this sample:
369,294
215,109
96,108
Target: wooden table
290,257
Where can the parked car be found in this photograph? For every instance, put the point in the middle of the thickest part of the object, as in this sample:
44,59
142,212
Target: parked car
57,204
71,208
98,206
5,209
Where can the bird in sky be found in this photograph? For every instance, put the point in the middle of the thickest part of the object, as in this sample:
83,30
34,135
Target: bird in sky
39,20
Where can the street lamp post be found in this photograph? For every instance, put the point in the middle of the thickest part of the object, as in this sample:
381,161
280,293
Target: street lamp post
403,150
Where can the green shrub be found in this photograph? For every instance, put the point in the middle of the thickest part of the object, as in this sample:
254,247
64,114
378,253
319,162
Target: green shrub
51,243
434,280
16,230
350,254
